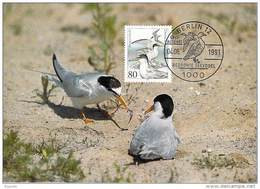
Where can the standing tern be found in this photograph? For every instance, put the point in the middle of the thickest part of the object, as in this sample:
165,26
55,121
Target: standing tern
87,88
151,53
156,137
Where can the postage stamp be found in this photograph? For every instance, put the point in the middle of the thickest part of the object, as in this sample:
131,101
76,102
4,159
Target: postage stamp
193,51
144,54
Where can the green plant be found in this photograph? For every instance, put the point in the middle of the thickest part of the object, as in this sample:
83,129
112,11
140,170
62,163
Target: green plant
104,29
45,93
120,175
229,22
210,161
43,162
173,175
74,29
7,9
17,28
16,156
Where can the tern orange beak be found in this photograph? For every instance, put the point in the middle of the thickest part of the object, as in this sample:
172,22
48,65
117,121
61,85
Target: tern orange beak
149,110
122,101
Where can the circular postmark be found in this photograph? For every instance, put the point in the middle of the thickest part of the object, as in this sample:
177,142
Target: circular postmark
193,51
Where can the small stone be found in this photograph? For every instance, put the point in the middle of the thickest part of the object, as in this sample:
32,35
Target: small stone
209,150
197,92
229,167
202,84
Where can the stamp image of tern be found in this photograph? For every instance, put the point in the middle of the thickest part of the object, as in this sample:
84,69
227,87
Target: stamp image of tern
193,51
144,54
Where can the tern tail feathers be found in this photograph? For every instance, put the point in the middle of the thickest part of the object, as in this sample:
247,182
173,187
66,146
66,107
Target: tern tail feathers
59,69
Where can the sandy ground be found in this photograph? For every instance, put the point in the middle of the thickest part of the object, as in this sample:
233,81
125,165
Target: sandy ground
219,115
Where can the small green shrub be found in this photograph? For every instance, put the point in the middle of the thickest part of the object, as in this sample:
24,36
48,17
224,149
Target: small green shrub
120,175
17,28
41,163
104,30
7,10
45,93
210,161
230,23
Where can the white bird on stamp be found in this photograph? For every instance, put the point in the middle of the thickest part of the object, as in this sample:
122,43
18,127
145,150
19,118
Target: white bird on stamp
144,66
148,43
150,53
147,71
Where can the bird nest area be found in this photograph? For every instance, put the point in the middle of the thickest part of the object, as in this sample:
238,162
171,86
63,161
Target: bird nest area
45,127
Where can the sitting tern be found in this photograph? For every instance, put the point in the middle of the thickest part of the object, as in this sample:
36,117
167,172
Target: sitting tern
87,88
156,137
144,66
147,71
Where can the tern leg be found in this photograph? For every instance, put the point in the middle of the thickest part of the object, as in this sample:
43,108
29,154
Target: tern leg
109,114
112,112
62,100
85,119
99,108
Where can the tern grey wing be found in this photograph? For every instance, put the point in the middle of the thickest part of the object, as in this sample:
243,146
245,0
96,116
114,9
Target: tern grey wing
146,43
164,146
144,51
152,141
139,139
80,85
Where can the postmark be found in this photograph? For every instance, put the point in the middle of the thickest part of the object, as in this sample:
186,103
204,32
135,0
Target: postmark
193,51
144,54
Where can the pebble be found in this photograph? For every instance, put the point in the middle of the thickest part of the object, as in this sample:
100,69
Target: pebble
197,92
